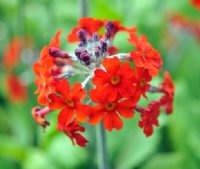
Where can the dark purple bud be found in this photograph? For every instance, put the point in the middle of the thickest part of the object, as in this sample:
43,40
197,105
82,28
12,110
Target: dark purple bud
85,58
55,52
78,53
103,45
109,29
81,35
81,44
97,51
95,37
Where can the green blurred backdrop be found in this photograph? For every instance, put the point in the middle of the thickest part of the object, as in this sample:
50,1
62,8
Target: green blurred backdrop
174,145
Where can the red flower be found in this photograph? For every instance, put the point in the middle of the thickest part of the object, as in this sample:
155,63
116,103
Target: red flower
145,56
39,115
116,80
69,101
71,130
109,111
42,69
196,3
12,53
149,117
16,88
90,25
168,89
142,79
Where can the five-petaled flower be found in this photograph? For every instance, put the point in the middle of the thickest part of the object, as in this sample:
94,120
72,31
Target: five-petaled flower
109,110
69,100
117,79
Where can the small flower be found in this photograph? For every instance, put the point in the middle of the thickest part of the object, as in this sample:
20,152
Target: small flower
39,115
145,56
12,53
109,111
71,130
16,88
117,79
69,101
168,89
149,117
142,78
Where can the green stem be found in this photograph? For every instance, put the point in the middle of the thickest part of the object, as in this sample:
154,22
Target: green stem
83,8
101,147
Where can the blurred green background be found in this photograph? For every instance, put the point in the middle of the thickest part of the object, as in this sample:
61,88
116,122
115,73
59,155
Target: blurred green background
174,145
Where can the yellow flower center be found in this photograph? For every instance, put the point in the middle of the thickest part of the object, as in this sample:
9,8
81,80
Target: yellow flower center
70,103
142,83
115,80
110,106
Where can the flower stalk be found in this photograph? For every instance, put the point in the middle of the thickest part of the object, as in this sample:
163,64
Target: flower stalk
101,147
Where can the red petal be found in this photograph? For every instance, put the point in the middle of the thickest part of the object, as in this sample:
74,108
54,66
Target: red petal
64,118
80,140
81,112
127,113
55,42
56,102
77,93
112,120
96,115
63,88
111,65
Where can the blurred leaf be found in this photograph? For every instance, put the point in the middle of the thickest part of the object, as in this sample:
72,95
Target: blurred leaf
38,160
165,161
65,154
130,147
11,149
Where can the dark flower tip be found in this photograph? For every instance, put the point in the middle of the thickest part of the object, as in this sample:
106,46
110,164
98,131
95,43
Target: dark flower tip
55,52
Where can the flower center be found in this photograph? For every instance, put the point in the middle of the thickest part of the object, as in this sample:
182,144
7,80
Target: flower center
115,80
142,83
110,106
70,103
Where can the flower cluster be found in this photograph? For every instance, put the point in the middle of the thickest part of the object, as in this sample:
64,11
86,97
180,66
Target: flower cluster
113,83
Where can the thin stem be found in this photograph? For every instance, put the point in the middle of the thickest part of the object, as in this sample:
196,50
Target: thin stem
84,83
83,8
101,147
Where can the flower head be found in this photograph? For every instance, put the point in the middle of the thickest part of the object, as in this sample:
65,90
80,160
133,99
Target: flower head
119,80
